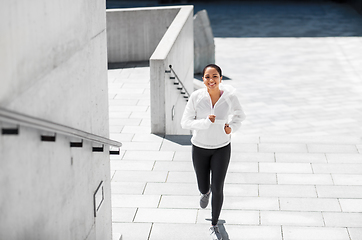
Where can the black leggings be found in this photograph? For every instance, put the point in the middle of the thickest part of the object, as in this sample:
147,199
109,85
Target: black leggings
216,161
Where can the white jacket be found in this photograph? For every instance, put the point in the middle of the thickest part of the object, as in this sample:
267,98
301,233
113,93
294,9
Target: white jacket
196,117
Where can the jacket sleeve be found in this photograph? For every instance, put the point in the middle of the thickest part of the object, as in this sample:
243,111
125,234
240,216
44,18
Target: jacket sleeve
238,114
188,120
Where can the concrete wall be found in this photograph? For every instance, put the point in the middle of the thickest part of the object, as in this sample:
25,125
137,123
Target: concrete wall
166,33
176,49
204,46
53,66
134,33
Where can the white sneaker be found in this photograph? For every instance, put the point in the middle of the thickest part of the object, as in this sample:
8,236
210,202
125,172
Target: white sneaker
215,233
204,200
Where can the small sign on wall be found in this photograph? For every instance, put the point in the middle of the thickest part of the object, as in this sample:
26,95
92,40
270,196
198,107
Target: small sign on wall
98,198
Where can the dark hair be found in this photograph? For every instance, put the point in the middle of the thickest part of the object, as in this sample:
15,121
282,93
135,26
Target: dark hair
212,66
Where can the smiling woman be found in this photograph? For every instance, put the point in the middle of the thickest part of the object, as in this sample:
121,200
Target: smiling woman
207,114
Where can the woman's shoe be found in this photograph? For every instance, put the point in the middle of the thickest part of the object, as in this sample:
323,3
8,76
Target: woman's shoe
204,200
215,233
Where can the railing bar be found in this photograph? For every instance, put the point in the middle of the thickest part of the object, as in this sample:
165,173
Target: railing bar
22,119
179,80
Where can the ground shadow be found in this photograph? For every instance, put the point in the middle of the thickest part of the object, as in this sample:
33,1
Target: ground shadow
184,140
220,224
119,65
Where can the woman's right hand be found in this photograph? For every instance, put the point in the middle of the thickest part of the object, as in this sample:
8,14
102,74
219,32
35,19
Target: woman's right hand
212,118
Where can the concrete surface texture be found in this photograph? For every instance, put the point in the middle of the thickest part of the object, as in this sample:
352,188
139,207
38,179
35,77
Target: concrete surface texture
53,66
204,46
175,49
134,33
288,179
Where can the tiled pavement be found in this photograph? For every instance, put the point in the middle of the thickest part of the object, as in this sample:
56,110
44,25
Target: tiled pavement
296,168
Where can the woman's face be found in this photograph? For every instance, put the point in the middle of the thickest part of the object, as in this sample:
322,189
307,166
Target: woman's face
211,78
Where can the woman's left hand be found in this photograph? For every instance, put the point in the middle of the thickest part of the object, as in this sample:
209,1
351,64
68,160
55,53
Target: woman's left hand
227,129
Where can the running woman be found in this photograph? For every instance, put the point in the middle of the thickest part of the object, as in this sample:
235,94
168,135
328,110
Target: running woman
213,113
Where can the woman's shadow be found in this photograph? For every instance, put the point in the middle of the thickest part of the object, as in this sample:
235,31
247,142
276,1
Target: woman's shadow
220,224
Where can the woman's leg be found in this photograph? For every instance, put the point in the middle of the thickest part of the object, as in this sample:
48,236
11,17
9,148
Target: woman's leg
201,160
219,165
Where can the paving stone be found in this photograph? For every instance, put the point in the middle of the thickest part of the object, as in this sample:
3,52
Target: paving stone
141,146
161,215
121,137
252,157
143,115
344,158
335,148
124,121
285,167
125,165
136,129
123,114
351,205
123,102
337,168
243,167
256,178
149,155
347,179
300,157
305,179
141,137
139,176
283,148
359,147
181,177
135,201
145,122
123,214
339,191
355,233
173,166
316,139
127,187
183,156
127,108
240,138
132,231
342,219
227,217
251,203
185,189
309,204
167,231
171,146
143,102
287,191
245,147
238,232
176,202
315,233
116,129
241,190
287,218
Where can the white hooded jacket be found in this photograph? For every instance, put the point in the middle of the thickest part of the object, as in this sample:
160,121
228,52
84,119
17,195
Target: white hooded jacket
196,117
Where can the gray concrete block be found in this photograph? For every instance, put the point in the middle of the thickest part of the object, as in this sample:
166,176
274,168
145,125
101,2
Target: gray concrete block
204,47
290,218
309,204
315,233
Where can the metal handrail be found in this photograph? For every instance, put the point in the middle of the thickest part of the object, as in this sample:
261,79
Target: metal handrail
179,80
41,124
